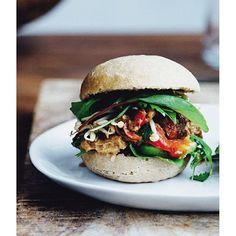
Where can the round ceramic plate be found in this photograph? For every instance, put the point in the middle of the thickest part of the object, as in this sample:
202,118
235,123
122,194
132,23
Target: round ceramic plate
52,154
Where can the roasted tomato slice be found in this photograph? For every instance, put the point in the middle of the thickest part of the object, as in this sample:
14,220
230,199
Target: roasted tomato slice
140,118
131,135
176,148
132,126
138,121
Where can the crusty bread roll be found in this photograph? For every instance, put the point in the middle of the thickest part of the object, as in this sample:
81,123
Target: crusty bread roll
138,72
131,169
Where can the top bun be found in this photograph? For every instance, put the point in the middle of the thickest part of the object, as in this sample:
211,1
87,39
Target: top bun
138,72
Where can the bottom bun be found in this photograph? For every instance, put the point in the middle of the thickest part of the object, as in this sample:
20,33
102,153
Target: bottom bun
131,169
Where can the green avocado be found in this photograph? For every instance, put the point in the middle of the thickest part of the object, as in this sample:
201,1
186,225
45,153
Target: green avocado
151,151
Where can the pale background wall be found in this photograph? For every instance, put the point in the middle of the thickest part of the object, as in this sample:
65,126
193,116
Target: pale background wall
122,17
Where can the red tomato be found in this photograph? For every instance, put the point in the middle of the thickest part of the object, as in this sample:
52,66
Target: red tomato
131,135
140,118
176,148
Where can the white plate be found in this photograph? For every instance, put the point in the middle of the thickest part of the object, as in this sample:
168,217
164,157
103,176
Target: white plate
52,154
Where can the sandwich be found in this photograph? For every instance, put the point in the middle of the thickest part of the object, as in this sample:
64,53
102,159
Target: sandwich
135,122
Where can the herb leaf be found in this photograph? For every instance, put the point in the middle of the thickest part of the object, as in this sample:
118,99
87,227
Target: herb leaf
80,153
181,106
201,177
83,108
204,148
202,153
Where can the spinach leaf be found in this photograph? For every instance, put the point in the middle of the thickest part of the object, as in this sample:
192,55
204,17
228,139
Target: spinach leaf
150,151
165,112
172,114
145,131
83,108
178,162
142,105
179,105
201,177
158,109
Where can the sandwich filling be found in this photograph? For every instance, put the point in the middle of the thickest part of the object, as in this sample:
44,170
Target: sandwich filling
145,124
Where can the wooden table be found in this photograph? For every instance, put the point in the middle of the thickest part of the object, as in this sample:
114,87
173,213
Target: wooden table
43,207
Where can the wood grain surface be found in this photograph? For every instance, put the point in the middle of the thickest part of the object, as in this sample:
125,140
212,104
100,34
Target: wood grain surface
42,57
44,208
